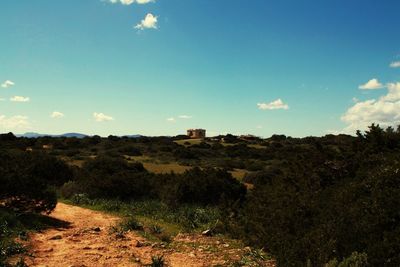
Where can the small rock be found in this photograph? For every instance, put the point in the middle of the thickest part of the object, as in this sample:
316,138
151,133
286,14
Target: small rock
56,237
137,259
207,232
139,244
226,245
192,255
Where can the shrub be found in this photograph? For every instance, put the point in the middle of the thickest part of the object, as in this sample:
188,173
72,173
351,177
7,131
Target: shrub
28,180
9,248
155,229
313,212
205,187
131,224
81,199
130,150
354,260
157,261
69,189
115,178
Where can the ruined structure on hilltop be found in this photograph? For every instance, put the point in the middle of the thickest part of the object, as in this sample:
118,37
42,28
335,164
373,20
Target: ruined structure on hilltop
196,133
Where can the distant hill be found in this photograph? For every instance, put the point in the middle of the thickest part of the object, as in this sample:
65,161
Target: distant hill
77,135
36,135
68,135
31,135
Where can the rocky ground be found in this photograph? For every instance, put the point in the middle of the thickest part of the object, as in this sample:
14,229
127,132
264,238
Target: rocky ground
85,239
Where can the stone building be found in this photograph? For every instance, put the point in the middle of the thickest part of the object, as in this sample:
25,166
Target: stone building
196,133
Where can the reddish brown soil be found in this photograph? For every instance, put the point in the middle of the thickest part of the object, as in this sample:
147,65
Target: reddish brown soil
81,244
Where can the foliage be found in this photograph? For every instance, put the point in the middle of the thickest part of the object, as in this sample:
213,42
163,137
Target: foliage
205,187
354,260
252,258
311,200
28,180
131,224
327,205
115,178
157,261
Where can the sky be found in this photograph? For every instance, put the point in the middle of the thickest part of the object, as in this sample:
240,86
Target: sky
293,67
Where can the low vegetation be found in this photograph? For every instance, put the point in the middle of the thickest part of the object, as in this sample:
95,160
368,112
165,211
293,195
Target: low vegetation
314,201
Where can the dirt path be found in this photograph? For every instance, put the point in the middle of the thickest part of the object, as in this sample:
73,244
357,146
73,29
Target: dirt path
86,241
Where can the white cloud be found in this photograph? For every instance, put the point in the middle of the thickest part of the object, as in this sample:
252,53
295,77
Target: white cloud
372,84
185,117
171,119
19,99
57,115
140,2
100,117
7,84
17,122
149,22
395,64
393,92
277,104
385,111
129,2
331,131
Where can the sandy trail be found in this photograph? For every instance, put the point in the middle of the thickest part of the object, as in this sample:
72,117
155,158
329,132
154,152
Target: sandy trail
86,241
80,243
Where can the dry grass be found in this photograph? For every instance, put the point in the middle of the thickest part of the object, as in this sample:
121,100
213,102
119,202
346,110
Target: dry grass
165,168
257,146
154,166
239,174
189,141
140,158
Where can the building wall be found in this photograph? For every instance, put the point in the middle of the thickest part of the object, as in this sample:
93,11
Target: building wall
196,133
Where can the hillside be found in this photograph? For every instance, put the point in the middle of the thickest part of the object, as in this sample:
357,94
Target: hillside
317,201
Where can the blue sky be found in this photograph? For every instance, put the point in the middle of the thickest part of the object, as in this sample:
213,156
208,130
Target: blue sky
299,67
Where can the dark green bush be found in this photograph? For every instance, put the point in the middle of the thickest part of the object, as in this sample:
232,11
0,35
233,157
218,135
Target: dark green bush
324,205
205,187
69,189
130,150
354,260
115,178
28,180
157,261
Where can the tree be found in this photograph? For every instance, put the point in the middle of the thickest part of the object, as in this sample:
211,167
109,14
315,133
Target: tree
28,180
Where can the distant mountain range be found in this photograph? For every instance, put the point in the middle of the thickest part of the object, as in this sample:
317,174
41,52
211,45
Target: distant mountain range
36,135
68,135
